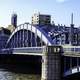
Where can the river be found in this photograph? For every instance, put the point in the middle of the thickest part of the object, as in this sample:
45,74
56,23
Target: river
18,67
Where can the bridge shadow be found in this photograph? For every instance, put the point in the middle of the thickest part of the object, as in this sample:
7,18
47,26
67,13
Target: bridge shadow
21,63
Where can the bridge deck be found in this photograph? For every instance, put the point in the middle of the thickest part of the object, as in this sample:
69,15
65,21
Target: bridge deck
67,50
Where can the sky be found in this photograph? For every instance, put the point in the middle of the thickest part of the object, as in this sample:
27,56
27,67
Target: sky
60,10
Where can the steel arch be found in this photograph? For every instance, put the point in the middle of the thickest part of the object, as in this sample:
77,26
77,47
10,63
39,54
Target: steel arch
33,29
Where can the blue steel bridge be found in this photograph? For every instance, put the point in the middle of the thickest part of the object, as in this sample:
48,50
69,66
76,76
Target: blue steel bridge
30,40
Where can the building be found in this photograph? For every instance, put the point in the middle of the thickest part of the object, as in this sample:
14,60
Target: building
14,20
11,28
41,19
4,35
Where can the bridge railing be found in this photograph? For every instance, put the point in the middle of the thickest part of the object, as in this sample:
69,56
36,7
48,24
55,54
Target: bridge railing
29,49
69,50
6,51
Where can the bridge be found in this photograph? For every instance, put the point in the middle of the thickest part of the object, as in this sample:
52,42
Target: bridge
56,52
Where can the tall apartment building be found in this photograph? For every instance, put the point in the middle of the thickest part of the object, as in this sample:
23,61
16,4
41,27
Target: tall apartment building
14,20
41,19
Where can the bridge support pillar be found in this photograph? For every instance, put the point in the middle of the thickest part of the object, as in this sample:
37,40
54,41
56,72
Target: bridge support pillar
51,63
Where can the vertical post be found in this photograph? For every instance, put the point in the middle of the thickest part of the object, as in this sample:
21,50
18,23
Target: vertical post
31,37
23,36
27,35
20,37
17,38
51,63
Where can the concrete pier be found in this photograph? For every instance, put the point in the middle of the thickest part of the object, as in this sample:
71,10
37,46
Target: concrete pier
51,63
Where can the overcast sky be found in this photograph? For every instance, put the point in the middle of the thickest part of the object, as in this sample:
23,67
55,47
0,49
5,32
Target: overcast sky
60,10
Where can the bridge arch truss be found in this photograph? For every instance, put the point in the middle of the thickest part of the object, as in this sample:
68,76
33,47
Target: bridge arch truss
26,35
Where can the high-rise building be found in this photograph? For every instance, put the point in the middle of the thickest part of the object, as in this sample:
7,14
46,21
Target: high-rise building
14,20
41,19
